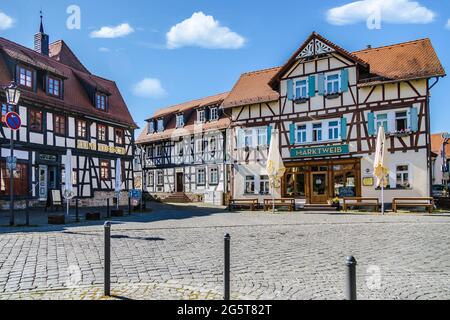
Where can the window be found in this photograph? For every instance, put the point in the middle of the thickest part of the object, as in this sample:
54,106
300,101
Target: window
332,84
401,121
119,137
201,116
150,179
25,77
333,130
212,145
403,177
151,127
180,121
264,185
179,146
382,121
81,129
262,137
101,132
53,86
60,125
248,138
201,176
159,151
21,184
105,170
301,134
301,89
214,114
36,121
250,185
160,125
160,178
317,132
100,102
214,176
5,110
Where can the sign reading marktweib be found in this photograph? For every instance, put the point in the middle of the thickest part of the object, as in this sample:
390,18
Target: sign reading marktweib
314,152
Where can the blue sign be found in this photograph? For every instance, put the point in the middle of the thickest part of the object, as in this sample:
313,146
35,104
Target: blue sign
13,121
135,194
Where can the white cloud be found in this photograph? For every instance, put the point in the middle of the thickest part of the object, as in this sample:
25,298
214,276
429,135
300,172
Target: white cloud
103,49
149,88
6,21
203,31
110,32
391,11
447,26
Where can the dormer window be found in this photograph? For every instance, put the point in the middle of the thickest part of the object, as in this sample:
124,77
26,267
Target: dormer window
214,114
201,116
160,125
101,101
180,120
54,87
25,77
151,126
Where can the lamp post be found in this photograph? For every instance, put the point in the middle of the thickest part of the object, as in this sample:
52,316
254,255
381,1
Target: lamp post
12,99
445,169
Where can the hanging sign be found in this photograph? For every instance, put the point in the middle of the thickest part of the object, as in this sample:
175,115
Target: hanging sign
320,151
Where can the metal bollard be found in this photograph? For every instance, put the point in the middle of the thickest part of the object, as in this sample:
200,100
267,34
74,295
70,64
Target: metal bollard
108,210
129,206
107,276
350,290
226,271
27,213
77,214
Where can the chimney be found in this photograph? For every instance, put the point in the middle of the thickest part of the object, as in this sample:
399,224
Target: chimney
369,46
41,40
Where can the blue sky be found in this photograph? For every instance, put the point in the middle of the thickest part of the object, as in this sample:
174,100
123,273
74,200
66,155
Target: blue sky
160,53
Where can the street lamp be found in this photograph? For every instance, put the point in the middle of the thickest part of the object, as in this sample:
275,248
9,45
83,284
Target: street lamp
12,99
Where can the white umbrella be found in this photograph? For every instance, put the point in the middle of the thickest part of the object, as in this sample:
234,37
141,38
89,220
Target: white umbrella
118,185
381,169
275,166
68,188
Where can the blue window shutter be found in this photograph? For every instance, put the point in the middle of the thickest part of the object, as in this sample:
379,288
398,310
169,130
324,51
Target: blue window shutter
240,138
312,86
321,84
371,123
344,80
290,89
292,133
269,135
344,128
414,119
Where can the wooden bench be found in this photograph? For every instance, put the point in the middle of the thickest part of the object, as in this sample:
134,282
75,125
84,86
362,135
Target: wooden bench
427,203
361,202
251,203
270,203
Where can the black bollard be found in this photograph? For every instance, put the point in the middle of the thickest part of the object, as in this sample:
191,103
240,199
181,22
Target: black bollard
77,213
27,213
226,271
350,290
107,276
108,210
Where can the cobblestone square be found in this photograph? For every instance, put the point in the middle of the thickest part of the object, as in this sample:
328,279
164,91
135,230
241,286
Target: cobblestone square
176,252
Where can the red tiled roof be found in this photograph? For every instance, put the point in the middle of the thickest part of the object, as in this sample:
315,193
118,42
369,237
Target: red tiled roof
436,145
252,87
61,52
76,98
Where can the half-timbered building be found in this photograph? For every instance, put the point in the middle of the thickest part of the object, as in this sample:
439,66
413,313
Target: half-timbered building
63,106
184,152
327,104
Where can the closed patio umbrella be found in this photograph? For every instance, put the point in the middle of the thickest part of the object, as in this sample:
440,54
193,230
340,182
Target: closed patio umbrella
68,192
381,169
118,184
275,166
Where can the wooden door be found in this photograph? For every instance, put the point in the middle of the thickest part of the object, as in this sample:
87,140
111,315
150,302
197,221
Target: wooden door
319,188
180,182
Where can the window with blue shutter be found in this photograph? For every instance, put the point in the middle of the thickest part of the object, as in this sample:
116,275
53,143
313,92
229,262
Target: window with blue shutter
312,86
269,135
371,123
414,119
321,84
292,133
240,138
344,128
344,80
290,89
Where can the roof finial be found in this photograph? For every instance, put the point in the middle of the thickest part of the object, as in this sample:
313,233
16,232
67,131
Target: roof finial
41,29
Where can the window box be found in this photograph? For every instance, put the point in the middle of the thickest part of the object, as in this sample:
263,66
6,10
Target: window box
400,134
300,100
332,95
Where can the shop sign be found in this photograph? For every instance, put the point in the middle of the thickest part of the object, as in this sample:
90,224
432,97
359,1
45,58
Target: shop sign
368,182
48,158
101,147
314,152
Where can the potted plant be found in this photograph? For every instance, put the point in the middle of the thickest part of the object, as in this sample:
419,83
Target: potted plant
336,203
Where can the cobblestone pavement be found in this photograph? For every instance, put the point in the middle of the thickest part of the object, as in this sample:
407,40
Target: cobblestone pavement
177,253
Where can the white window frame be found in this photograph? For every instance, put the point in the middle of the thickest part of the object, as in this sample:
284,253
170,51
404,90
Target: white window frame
334,82
200,176
160,125
248,138
334,130
159,151
214,114
180,120
151,127
160,178
301,87
252,181
264,185
262,136
382,122
201,116
314,130
303,130
408,172
212,144
150,179
214,175
406,118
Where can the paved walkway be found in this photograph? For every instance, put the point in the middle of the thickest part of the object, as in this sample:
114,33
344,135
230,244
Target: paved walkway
176,252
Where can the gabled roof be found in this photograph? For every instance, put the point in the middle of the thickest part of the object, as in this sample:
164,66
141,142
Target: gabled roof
404,61
436,145
314,36
76,97
252,87
61,52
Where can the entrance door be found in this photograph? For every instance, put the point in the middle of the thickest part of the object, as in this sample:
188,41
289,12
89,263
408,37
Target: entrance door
43,186
52,182
180,182
319,188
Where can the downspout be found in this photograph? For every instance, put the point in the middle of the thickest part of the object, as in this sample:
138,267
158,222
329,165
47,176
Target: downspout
428,124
